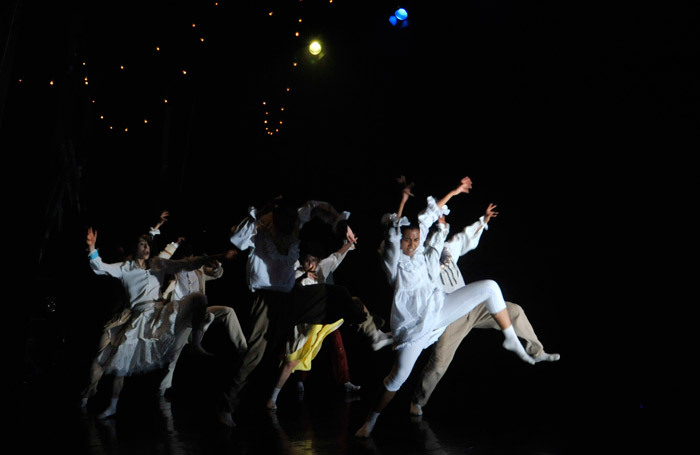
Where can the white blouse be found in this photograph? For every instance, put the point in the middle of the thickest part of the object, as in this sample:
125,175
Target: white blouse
266,267
442,254
417,300
141,285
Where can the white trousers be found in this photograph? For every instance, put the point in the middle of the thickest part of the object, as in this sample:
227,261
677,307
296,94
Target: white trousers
456,305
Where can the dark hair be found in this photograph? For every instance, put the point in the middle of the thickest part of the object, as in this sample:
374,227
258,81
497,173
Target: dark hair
410,227
313,248
133,247
284,217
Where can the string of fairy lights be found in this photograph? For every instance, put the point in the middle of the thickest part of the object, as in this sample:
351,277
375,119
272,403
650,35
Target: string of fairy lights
274,103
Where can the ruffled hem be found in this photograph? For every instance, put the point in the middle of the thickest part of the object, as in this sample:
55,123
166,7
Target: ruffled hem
140,342
427,339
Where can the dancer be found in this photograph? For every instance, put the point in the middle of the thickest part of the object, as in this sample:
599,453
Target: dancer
143,337
420,310
186,282
450,278
306,341
271,237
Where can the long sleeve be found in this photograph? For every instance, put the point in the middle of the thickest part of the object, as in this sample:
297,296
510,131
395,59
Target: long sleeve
433,248
323,210
102,268
169,250
391,250
328,265
160,266
429,215
243,234
467,239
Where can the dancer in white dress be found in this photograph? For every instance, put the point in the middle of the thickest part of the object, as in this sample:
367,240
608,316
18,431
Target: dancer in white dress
420,309
143,337
442,254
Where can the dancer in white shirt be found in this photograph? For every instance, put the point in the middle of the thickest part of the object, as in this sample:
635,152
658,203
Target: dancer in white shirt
442,255
271,238
186,282
143,337
420,310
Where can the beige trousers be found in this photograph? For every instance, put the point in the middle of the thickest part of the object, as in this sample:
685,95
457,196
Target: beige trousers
444,349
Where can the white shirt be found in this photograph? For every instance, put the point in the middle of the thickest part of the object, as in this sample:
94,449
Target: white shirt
417,300
266,267
442,255
324,269
141,285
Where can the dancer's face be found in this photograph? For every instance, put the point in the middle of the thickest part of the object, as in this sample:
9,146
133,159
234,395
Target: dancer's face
310,263
143,250
410,241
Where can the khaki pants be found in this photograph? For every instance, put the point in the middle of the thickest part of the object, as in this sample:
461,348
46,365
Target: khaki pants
444,350
223,314
273,314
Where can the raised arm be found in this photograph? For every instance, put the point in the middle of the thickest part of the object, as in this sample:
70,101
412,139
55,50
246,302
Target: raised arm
155,230
464,186
328,265
242,234
468,239
96,263
323,211
406,192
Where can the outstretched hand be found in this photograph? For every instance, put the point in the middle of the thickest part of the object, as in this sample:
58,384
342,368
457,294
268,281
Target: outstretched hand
406,191
464,186
490,213
163,218
350,236
91,238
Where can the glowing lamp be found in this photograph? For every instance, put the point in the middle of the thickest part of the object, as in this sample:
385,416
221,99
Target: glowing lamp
401,14
315,48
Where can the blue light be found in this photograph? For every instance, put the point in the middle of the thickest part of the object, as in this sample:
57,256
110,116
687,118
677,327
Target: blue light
401,14
393,20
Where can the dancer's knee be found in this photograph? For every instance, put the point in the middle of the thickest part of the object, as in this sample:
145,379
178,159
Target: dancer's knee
394,380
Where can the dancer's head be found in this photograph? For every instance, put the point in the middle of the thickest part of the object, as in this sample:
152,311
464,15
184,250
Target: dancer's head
410,239
284,217
141,248
309,262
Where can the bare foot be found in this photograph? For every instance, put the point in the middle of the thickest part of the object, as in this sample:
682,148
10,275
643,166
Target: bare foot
226,419
200,351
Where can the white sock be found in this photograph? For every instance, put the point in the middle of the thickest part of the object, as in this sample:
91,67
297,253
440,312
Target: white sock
366,429
111,409
350,387
272,402
416,410
512,343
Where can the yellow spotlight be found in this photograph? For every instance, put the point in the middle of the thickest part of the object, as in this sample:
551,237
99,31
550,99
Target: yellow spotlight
315,48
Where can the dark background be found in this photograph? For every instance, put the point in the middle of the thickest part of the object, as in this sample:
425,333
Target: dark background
574,118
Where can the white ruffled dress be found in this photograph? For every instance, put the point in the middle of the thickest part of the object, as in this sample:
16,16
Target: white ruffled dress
142,337
417,300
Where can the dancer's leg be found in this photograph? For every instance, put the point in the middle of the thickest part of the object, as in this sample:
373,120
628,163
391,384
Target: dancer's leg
257,343
117,386
285,372
468,297
403,364
441,356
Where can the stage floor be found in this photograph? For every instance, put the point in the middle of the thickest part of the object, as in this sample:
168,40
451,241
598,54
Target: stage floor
488,403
